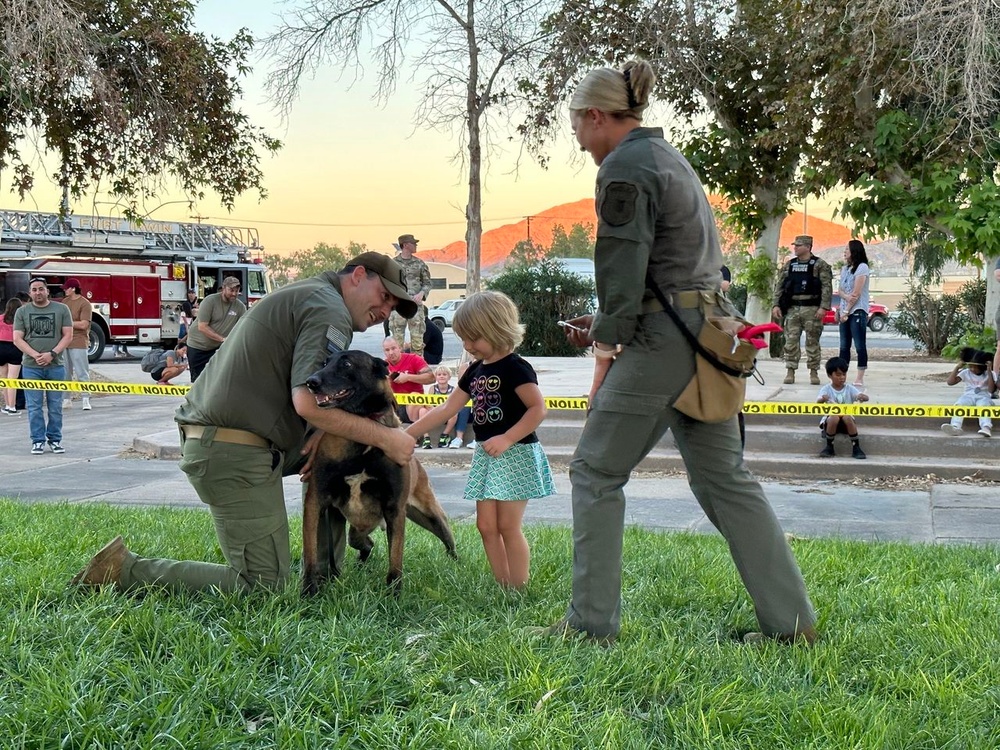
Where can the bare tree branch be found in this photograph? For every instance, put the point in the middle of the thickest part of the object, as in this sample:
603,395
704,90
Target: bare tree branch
454,44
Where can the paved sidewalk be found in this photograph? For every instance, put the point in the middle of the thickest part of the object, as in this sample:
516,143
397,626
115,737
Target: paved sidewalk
100,466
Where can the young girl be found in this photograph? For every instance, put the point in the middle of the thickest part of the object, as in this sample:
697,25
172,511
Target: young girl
979,385
442,387
508,465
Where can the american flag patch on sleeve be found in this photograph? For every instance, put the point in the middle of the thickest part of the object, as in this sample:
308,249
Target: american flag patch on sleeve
335,340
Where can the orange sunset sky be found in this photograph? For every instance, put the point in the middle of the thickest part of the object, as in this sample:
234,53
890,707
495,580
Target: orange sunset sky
352,169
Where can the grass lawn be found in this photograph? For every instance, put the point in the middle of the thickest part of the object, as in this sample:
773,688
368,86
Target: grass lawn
910,658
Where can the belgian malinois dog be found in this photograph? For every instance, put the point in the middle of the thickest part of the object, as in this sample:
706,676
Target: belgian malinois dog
358,480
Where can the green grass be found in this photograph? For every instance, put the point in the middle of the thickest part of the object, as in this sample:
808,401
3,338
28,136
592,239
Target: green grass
910,657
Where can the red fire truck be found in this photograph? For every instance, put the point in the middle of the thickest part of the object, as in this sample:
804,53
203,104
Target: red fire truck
135,276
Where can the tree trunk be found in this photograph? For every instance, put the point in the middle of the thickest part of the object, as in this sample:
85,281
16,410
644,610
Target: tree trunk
759,309
474,208
992,291
474,212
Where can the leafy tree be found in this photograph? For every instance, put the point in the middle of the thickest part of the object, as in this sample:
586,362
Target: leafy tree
902,108
303,264
910,120
713,68
545,293
127,92
472,55
578,243
526,253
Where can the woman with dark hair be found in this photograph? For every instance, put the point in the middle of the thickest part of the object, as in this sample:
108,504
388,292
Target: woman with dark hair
854,306
10,355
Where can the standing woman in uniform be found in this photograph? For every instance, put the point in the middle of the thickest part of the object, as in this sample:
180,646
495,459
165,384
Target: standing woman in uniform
655,226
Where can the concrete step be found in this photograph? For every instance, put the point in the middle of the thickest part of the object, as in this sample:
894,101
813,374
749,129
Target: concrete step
772,450
808,420
799,439
767,464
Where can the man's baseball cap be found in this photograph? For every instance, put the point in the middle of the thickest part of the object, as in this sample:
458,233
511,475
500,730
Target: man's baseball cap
804,239
232,281
404,238
71,283
391,274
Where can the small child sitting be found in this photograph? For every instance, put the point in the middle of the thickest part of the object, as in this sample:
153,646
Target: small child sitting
837,391
979,384
442,387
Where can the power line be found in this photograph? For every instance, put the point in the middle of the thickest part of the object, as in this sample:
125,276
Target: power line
232,219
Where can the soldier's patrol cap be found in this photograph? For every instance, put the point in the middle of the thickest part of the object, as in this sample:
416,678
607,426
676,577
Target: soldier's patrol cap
804,239
404,238
391,274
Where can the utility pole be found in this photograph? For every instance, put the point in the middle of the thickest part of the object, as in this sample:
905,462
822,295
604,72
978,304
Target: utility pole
529,227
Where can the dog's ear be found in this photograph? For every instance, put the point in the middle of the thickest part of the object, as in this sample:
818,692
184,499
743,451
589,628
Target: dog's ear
380,367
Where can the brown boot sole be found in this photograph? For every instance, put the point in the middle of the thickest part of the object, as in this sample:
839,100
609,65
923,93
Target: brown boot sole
109,549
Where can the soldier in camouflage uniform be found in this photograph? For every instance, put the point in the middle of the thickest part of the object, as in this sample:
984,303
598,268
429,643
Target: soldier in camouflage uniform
803,295
418,284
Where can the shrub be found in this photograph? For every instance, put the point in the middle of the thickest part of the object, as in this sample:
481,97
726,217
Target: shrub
738,296
972,295
544,293
930,321
978,337
758,277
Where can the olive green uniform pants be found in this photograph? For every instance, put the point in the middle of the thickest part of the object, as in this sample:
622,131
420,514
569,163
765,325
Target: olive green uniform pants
631,412
797,320
242,487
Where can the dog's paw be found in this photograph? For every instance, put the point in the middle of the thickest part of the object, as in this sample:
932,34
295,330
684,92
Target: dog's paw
311,584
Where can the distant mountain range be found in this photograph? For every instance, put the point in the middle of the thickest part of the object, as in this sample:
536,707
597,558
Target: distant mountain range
829,238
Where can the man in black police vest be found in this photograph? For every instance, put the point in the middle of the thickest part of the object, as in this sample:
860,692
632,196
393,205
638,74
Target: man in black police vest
802,296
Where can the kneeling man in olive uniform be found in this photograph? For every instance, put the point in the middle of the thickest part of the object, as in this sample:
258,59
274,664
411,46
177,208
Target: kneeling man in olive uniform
244,426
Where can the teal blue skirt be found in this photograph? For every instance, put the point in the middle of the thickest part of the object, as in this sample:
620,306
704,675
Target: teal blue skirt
520,473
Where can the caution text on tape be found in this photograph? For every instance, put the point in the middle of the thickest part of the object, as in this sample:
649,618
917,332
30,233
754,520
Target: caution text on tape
558,403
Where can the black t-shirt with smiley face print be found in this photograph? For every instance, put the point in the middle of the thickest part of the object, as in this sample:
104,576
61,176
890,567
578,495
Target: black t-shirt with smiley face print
496,406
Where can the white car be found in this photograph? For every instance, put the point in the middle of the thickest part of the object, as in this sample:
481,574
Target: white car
442,315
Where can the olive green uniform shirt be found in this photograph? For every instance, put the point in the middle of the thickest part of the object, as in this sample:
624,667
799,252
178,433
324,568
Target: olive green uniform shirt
218,314
653,213
282,340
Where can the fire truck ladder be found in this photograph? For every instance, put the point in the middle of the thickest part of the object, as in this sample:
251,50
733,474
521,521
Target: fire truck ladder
30,233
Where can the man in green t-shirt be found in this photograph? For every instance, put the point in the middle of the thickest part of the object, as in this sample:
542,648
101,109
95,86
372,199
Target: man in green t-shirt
244,426
42,331
217,317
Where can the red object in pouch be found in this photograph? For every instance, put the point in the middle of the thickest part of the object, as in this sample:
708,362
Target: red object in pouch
754,334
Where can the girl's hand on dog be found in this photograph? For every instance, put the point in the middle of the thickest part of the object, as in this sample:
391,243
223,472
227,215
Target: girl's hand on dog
398,446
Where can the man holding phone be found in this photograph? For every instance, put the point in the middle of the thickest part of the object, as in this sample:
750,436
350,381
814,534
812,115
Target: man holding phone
408,373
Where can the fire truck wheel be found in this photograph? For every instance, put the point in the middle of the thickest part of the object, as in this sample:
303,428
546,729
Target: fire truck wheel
95,347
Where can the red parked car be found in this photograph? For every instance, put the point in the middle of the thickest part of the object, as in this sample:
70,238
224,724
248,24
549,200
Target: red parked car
878,315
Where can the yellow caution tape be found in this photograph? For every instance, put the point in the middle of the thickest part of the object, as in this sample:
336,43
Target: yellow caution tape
870,410
558,403
69,386
433,399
